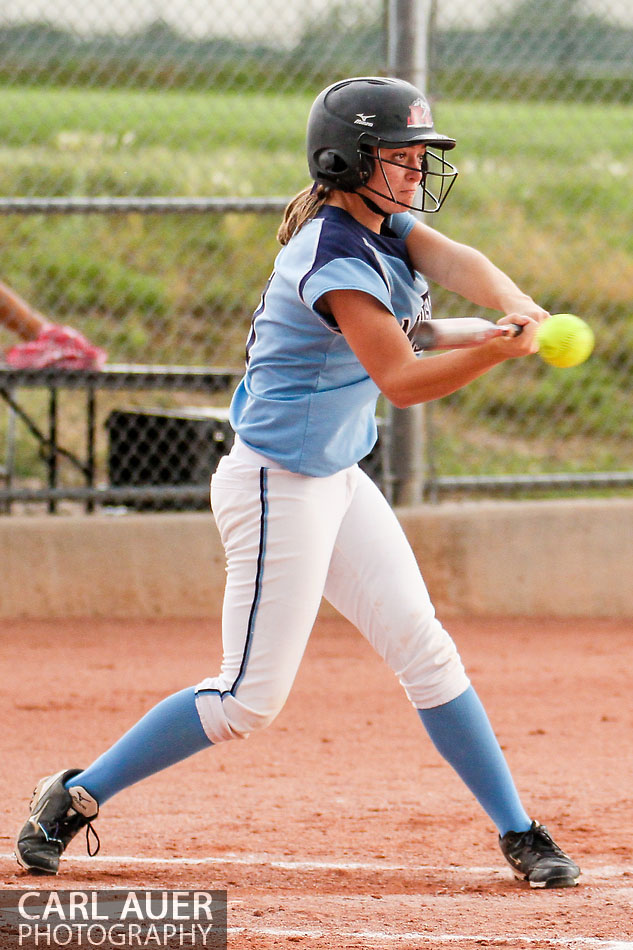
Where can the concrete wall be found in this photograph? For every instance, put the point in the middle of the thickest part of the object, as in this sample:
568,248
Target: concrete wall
558,558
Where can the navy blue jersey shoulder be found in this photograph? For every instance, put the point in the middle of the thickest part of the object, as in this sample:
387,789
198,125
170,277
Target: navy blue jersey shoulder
343,236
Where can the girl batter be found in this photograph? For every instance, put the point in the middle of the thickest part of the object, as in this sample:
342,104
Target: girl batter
297,516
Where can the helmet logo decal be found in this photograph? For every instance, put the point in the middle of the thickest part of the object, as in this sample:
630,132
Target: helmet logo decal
362,119
420,114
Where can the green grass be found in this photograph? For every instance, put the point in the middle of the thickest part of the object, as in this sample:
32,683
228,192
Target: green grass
545,189
119,142
191,121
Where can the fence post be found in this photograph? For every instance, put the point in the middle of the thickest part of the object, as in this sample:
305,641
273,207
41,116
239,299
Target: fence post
408,31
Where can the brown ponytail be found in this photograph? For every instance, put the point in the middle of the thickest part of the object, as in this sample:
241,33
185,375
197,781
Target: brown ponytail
302,207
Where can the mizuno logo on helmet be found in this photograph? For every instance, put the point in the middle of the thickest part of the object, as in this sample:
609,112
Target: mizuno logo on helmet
420,114
362,119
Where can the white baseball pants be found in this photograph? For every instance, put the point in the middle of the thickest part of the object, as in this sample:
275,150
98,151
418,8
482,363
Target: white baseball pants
289,540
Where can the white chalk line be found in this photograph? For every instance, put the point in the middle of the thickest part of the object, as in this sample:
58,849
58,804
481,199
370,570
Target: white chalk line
599,872
373,936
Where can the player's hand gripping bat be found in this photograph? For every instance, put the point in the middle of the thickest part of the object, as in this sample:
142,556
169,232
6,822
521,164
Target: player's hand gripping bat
460,332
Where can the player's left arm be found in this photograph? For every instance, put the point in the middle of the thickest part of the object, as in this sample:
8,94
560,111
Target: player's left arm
381,346
467,272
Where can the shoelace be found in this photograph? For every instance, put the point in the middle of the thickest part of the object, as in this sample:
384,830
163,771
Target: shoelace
540,836
91,831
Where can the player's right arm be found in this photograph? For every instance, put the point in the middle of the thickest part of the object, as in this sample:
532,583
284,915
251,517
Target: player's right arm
467,272
382,347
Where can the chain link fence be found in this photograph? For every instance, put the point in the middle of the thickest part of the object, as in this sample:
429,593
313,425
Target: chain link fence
147,151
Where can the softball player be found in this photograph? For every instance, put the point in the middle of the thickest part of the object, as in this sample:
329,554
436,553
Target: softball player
45,345
297,516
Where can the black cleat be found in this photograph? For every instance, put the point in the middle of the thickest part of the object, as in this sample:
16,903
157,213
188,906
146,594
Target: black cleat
57,814
536,858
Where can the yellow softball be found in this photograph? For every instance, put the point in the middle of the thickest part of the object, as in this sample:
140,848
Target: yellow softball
564,340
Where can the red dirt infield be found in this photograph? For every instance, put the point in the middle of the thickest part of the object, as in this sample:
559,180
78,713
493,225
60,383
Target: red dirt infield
339,826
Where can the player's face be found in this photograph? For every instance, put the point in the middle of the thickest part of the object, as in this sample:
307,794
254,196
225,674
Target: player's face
397,176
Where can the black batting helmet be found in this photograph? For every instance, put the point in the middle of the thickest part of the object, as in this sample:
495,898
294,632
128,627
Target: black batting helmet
353,119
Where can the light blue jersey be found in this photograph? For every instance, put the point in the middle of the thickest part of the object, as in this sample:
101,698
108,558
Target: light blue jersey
306,402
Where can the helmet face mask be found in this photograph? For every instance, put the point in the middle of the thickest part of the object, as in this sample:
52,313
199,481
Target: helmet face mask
352,121
431,195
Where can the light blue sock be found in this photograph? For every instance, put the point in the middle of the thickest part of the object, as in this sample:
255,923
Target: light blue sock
169,732
462,734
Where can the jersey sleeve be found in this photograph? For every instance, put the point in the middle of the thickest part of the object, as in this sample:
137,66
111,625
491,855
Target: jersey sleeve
346,273
343,258
401,224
